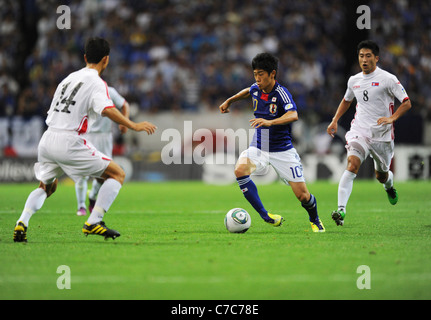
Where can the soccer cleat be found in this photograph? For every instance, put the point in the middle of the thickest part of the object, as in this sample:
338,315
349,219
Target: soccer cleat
81,212
100,229
276,220
392,195
20,232
338,216
317,226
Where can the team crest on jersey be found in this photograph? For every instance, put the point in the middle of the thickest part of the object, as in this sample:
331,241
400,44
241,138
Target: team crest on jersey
273,108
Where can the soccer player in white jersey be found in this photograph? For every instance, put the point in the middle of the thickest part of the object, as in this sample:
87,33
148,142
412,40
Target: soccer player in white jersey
78,100
100,135
372,129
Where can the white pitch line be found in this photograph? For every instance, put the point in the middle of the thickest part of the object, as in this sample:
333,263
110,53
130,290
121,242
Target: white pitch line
294,278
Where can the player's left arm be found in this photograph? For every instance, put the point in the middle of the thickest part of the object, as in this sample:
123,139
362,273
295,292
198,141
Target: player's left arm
402,109
395,88
116,116
288,117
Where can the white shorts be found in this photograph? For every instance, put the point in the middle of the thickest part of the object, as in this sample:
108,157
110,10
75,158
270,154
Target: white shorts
360,146
103,141
287,163
66,152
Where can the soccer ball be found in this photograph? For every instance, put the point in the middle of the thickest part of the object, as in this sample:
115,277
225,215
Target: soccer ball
237,220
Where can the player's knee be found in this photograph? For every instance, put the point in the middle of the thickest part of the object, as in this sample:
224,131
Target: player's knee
120,176
49,188
242,170
353,164
114,171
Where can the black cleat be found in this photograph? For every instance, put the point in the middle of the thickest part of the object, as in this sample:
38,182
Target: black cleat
100,229
338,216
392,196
20,233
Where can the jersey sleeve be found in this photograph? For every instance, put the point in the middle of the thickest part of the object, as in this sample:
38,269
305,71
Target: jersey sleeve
286,99
253,88
100,98
349,94
116,98
397,90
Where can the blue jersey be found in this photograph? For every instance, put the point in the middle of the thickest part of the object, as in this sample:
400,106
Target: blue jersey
270,106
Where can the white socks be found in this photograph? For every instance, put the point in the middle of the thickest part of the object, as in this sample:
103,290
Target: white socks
34,202
346,185
81,192
390,182
345,189
107,194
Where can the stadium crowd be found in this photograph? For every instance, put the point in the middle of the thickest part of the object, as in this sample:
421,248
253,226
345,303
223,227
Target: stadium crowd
188,55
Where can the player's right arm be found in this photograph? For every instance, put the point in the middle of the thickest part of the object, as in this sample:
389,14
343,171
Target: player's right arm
118,117
342,108
243,94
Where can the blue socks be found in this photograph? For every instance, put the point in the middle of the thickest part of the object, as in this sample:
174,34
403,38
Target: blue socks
311,207
249,190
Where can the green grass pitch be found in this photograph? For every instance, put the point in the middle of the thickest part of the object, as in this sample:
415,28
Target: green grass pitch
174,245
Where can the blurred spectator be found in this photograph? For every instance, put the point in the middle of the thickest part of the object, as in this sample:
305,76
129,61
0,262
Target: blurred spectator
184,54
403,30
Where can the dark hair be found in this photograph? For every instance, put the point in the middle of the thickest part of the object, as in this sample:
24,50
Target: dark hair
95,49
265,61
368,44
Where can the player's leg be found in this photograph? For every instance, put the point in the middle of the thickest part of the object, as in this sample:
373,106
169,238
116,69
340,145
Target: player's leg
46,171
34,202
357,152
88,161
103,143
92,196
387,179
114,178
309,203
345,187
288,166
81,195
247,163
382,154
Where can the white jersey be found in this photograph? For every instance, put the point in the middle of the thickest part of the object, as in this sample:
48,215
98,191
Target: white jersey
375,94
78,101
104,124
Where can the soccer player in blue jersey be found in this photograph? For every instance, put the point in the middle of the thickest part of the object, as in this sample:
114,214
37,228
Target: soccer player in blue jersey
274,111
